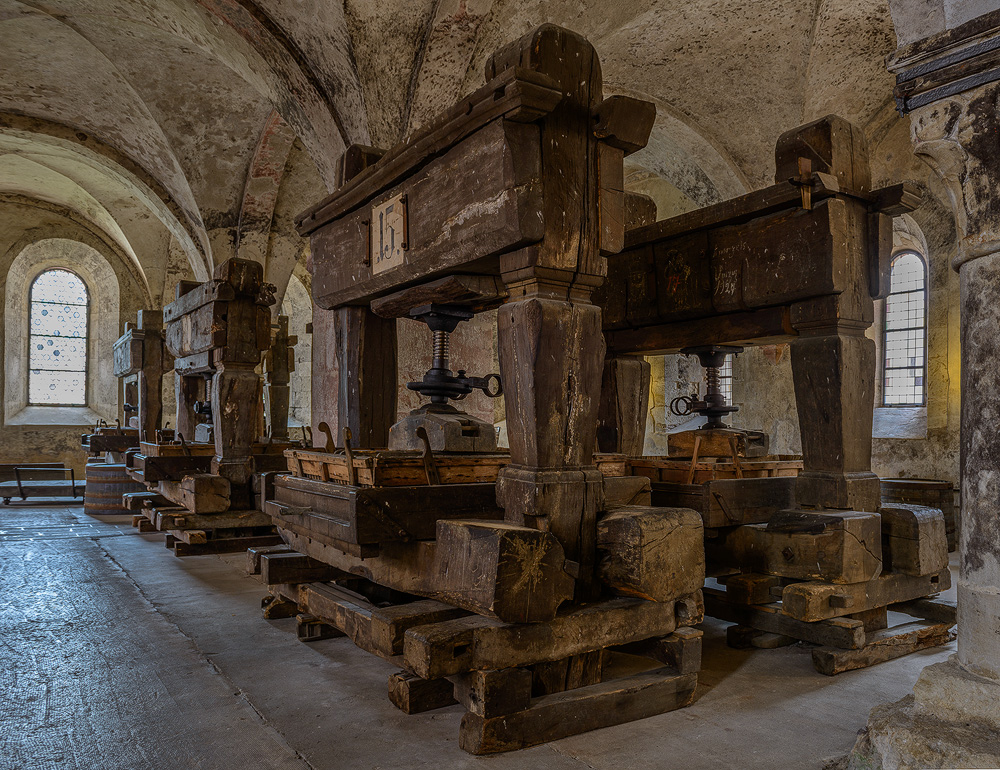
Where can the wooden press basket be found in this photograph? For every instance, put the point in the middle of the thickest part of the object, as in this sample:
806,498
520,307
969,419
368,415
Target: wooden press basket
395,468
710,469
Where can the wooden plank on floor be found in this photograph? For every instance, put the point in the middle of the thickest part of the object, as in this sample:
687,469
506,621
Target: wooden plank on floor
811,601
572,712
836,632
937,609
883,645
476,642
223,545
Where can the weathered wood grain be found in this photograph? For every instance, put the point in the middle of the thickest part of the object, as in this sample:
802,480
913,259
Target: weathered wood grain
653,553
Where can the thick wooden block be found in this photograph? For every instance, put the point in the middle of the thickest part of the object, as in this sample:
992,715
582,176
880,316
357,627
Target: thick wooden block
204,493
576,711
372,515
501,570
730,502
567,674
621,419
626,490
914,540
750,588
254,555
653,553
389,624
413,695
682,650
936,609
278,568
375,629
833,546
493,693
811,601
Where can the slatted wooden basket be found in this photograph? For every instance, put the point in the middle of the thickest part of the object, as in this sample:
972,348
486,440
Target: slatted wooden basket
390,468
679,471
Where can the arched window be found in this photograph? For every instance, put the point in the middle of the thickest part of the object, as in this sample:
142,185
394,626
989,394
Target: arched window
905,371
57,345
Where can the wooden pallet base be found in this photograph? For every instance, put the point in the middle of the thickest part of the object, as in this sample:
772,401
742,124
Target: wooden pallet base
200,535
522,684
844,643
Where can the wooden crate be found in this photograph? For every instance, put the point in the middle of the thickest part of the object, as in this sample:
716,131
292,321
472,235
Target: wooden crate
391,468
678,471
176,449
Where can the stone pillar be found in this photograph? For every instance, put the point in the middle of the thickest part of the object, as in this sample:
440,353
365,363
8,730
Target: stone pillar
958,137
951,90
979,538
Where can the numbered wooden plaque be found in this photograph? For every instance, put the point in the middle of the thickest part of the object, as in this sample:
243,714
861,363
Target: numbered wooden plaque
388,239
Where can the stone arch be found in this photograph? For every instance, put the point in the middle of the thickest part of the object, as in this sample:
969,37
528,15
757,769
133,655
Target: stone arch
297,305
104,324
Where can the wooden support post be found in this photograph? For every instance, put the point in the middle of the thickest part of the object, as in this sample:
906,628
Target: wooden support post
187,390
366,358
833,367
551,355
279,363
833,362
621,426
234,385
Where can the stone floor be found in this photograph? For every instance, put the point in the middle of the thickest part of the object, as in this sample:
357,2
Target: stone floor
116,654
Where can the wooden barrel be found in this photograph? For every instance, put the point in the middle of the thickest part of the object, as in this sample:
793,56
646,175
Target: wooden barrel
934,493
106,483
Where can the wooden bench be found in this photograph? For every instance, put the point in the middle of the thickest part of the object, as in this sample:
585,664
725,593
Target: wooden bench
39,480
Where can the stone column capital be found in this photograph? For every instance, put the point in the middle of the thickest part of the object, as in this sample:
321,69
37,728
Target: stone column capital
959,137
949,84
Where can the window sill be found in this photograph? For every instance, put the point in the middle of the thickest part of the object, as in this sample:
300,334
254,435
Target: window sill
908,422
56,416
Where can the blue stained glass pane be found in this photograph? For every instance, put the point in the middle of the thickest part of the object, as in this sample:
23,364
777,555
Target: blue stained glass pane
59,286
57,353
57,345
58,320
57,388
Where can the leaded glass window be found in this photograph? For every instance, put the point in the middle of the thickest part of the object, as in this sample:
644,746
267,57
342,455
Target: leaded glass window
726,378
905,370
57,343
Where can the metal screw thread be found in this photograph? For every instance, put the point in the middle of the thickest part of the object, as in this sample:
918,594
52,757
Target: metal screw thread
712,380
440,354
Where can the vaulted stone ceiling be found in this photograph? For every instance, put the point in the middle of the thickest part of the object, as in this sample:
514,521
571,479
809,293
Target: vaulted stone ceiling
175,127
